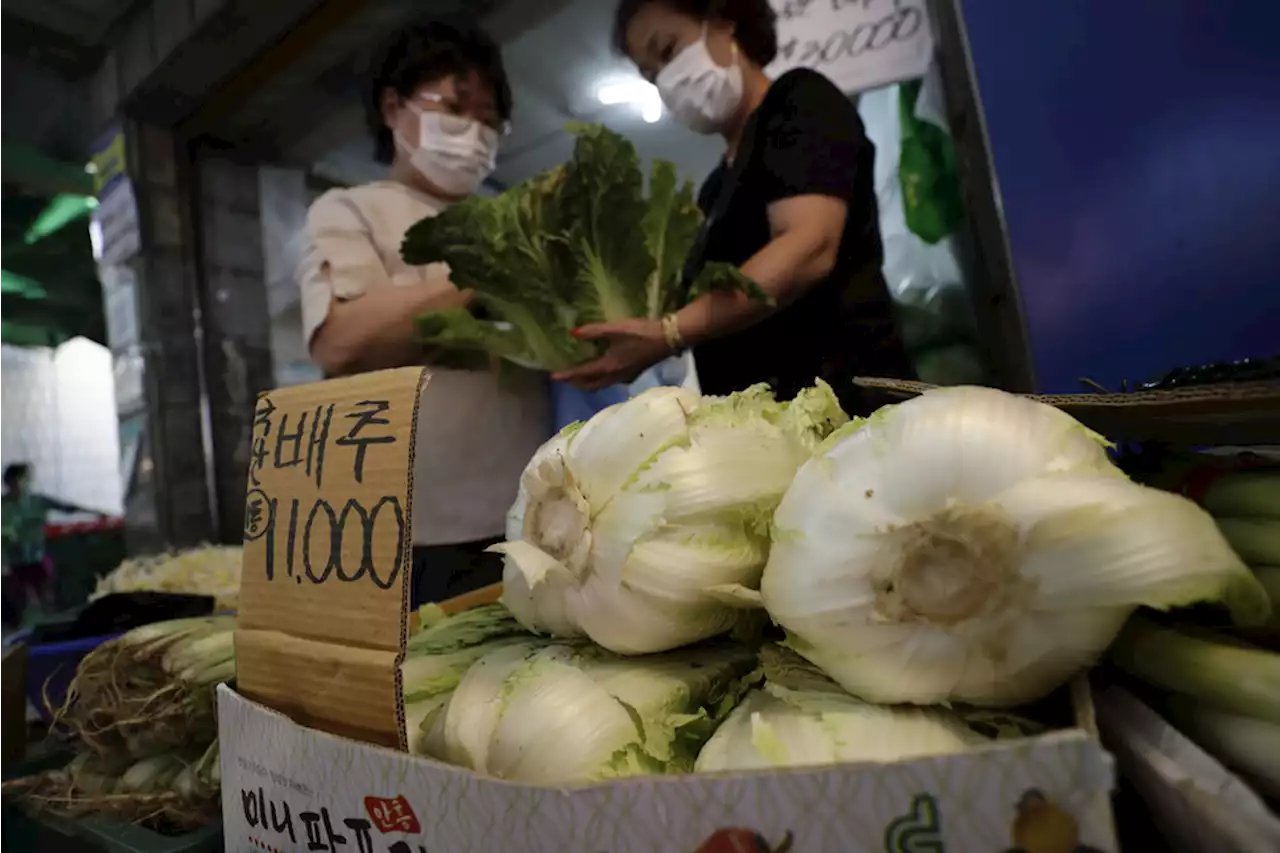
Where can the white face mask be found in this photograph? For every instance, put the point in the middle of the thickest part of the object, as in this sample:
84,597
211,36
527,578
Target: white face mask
454,153
700,94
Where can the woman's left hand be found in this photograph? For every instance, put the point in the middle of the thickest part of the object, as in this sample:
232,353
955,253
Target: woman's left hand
634,345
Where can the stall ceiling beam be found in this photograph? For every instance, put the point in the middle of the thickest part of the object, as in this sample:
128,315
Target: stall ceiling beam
47,48
301,100
296,43
166,57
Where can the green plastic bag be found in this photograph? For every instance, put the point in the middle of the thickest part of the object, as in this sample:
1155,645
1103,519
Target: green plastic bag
931,200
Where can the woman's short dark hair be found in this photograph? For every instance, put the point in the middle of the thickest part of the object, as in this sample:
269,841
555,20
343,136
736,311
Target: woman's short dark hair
754,23
425,53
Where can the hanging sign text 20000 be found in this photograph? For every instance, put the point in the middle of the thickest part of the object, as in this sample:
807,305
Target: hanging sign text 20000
858,44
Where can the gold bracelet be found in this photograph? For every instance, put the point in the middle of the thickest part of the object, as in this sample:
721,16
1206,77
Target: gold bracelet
671,333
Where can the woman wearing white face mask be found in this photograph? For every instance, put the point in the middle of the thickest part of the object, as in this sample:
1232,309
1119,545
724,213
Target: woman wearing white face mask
437,105
792,204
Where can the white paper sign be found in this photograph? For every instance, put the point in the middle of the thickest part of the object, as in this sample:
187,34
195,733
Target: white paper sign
859,44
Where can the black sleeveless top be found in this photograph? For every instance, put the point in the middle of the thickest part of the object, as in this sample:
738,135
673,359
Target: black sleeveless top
807,140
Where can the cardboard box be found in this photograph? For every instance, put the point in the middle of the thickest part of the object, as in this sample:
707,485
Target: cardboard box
1198,805
285,786
1243,413
313,743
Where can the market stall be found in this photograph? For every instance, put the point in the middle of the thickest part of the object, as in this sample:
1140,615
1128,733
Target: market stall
118,694
524,736
574,713
725,623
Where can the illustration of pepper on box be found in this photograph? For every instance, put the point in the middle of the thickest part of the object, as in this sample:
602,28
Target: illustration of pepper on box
1041,826
742,841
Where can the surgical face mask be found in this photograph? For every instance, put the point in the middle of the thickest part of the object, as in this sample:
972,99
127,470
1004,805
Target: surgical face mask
454,153
700,94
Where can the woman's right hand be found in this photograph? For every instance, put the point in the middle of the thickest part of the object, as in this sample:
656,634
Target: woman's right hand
634,345
440,296
378,329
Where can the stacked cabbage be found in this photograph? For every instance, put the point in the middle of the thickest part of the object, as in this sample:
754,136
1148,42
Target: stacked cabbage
967,547
212,570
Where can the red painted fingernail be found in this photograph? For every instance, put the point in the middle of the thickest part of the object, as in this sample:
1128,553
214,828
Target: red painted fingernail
577,333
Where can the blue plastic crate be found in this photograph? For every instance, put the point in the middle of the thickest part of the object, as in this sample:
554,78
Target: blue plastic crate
51,666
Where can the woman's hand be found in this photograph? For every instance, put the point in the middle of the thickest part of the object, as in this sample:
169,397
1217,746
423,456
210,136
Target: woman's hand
634,346
377,330
444,300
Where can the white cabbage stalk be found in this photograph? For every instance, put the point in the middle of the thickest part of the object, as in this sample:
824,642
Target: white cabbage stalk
802,718
150,775
778,727
423,725
976,546
436,658
646,528
558,714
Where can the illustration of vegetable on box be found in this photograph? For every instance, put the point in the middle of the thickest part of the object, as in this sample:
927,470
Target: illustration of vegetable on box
742,841
1041,826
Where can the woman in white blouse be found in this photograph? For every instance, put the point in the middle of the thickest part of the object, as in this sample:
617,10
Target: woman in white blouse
437,102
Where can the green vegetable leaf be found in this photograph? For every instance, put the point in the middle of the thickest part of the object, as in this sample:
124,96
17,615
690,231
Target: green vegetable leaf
603,203
670,227
458,329
441,633
581,243
510,250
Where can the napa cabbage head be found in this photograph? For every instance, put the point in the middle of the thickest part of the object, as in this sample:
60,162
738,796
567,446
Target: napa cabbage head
798,717
440,653
572,713
647,527
974,546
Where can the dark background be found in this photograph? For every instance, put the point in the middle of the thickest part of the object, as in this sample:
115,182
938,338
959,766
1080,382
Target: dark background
1137,148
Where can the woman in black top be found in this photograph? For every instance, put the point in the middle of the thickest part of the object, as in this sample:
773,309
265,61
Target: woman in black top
792,203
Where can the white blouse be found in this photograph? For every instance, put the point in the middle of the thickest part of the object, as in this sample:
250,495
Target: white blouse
476,430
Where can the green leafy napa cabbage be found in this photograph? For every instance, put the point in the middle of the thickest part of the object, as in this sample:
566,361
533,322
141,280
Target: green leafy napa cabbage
581,243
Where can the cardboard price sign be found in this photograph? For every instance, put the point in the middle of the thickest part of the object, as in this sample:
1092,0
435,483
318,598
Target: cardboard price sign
328,553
